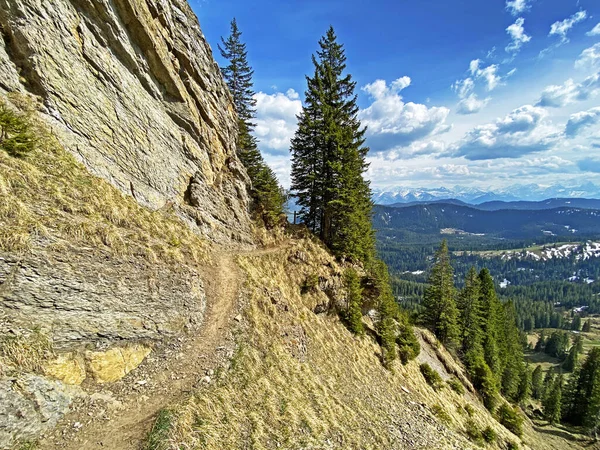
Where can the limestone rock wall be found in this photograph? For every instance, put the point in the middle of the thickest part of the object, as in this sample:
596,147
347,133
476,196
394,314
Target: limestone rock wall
132,89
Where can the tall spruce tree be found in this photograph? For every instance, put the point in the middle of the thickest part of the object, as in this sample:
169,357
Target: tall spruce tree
536,382
583,402
329,158
440,311
238,75
471,320
511,353
353,313
491,308
267,194
553,401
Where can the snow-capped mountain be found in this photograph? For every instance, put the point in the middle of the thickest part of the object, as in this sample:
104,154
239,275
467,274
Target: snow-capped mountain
529,192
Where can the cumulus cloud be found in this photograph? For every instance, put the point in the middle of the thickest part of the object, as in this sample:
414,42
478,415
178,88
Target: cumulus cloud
488,74
469,101
516,31
525,130
393,123
590,57
516,7
276,120
589,165
415,150
561,28
557,96
471,104
594,31
582,120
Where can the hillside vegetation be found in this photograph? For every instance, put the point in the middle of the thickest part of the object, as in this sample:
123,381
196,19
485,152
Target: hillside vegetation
300,379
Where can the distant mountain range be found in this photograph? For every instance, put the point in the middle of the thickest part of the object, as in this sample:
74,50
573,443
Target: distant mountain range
475,196
551,203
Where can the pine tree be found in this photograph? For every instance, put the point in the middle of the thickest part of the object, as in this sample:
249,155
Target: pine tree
584,395
553,400
387,310
440,311
238,75
576,324
491,308
268,196
307,164
572,359
525,384
471,319
353,310
537,383
541,343
587,326
511,353
329,158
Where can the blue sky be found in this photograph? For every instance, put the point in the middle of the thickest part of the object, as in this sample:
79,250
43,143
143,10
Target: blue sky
465,92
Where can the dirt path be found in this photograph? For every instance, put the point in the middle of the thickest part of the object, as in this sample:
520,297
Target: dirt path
126,426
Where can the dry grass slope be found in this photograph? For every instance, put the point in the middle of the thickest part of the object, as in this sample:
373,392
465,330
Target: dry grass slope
49,199
301,380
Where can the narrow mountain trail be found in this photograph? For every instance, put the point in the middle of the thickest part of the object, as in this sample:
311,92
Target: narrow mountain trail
126,424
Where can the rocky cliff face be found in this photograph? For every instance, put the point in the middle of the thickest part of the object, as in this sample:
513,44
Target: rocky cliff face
131,88
91,282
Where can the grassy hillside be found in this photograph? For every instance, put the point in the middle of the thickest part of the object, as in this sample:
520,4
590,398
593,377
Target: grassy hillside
299,379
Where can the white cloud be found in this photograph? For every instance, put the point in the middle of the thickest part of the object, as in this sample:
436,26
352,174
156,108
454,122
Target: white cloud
594,31
516,31
276,120
393,123
414,150
570,92
516,7
525,130
581,120
469,101
471,104
590,57
561,28
489,73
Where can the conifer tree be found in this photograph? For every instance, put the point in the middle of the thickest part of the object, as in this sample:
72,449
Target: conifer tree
572,359
329,158
525,384
541,343
547,383
238,75
471,319
587,326
440,311
491,330
553,400
268,196
576,324
536,382
387,310
584,396
511,353
354,311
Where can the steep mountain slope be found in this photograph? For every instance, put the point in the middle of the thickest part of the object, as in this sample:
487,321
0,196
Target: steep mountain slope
300,379
134,288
